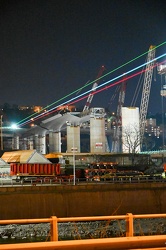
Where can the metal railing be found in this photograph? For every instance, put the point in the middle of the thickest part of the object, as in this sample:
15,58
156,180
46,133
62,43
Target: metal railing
116,179
128,242
53,220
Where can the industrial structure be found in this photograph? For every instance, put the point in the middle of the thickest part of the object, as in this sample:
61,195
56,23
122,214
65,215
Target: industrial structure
90,96
146,90
48,135
116,141
162,71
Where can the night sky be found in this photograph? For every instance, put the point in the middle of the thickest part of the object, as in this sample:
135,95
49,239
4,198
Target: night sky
49,48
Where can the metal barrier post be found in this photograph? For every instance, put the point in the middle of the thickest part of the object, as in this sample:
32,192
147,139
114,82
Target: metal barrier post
129,225
54,228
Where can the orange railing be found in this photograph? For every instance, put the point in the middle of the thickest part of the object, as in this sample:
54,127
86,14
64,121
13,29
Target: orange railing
129,218
156,242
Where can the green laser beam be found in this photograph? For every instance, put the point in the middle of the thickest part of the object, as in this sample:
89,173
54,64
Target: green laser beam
79,89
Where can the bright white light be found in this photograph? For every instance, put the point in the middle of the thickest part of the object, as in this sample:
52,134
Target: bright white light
14,126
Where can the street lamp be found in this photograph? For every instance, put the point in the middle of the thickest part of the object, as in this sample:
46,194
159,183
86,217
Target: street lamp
1,133
74,166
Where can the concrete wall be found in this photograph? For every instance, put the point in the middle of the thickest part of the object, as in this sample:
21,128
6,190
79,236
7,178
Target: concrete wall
81,200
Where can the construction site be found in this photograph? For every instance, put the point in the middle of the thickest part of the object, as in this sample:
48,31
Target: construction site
92,130
117,141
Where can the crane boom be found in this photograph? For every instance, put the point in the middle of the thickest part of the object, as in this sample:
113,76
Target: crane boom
90,97
146,90
116,137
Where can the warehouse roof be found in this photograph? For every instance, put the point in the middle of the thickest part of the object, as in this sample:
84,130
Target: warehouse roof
24,156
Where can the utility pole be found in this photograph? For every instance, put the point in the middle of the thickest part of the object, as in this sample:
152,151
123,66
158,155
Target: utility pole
1,133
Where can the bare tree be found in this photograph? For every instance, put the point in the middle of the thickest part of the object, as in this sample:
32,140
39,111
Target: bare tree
131,139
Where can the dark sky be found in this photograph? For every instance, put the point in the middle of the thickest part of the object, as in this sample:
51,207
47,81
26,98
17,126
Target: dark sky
49,48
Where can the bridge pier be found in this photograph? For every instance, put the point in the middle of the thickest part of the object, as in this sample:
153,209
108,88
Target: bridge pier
97,131
73,138
15,142
54,141
52,130
31,143
42,144
36,142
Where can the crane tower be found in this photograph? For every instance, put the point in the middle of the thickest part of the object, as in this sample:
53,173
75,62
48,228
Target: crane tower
146,90
90,97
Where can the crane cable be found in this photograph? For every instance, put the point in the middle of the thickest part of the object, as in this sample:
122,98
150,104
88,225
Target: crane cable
138,87
114,95
63,98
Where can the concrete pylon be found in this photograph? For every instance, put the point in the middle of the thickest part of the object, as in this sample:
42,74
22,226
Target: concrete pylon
15,142
97,131
54,141
42,144
73,138
24,144
36,142
30,142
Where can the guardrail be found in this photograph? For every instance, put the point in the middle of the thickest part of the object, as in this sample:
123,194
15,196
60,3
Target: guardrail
116,179
133,179
128,242
53,220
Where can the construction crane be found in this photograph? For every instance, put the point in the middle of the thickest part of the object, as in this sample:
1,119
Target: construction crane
118,122
90,97
146,91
